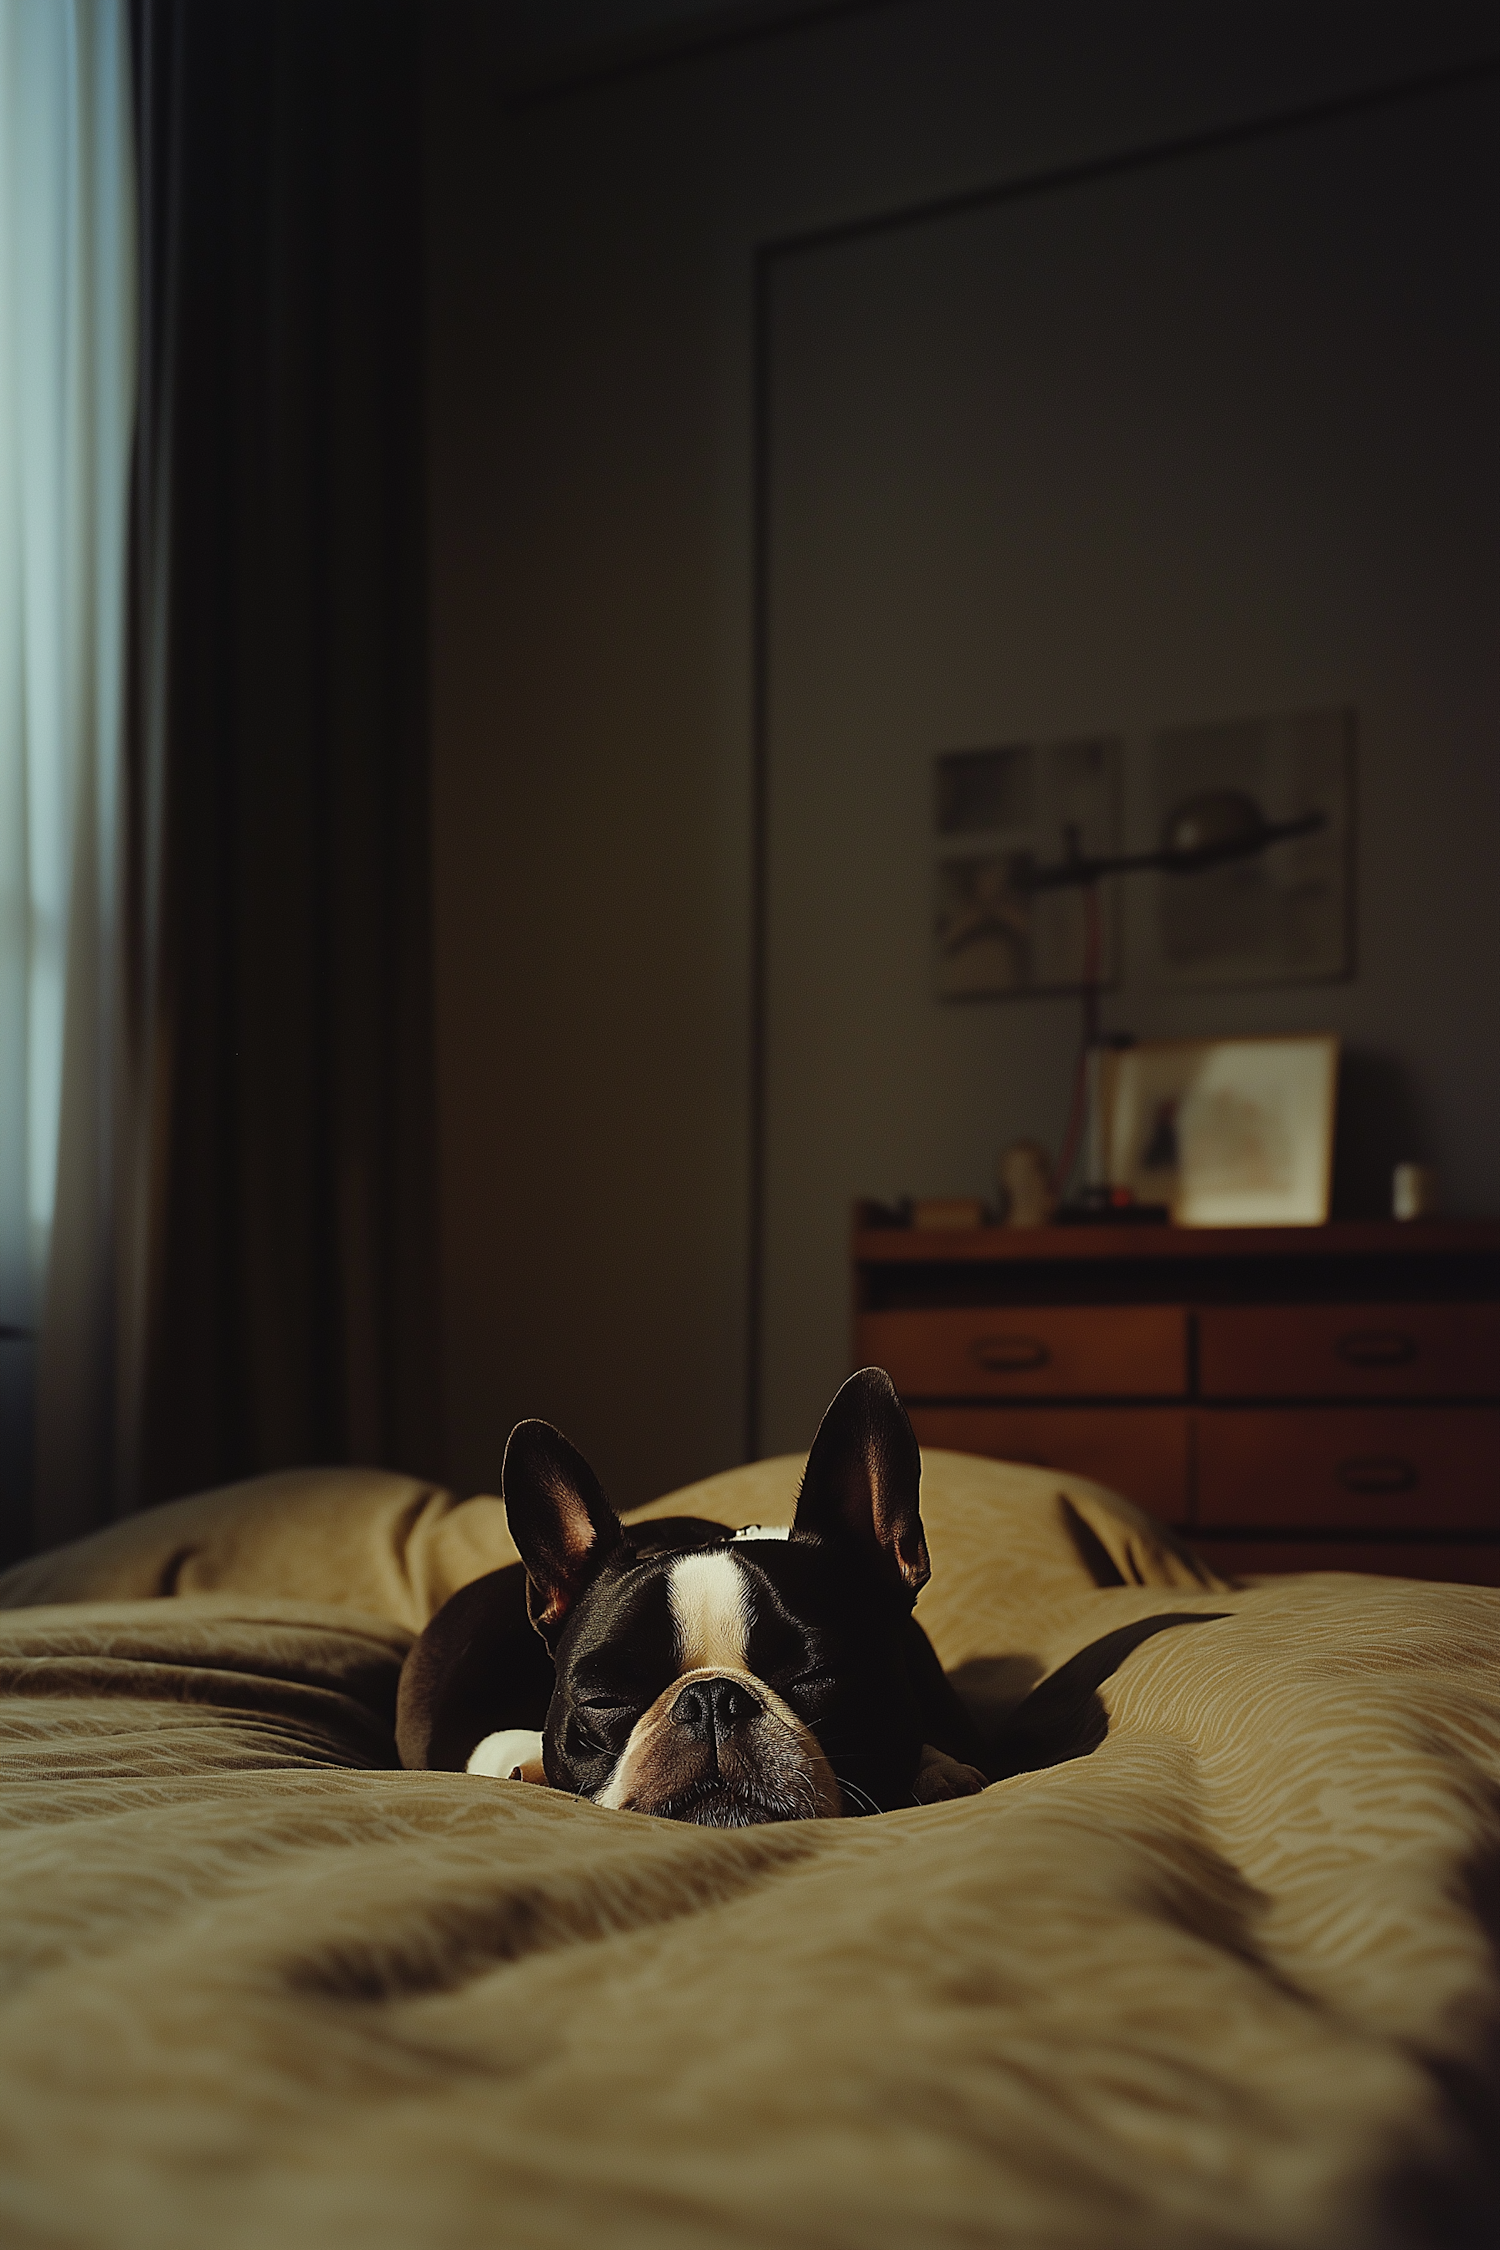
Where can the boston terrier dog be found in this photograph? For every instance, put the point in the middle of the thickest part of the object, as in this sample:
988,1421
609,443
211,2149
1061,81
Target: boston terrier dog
700,1674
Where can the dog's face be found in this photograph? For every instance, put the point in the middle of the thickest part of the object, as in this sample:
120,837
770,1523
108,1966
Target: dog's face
758,1678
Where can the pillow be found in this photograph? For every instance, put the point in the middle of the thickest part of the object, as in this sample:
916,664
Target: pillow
1012,1547
392,1546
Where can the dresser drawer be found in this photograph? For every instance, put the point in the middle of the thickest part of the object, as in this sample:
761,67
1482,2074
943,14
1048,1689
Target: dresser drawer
1458,1562
1046,1351
1141,1451
1409,1469
1349,1351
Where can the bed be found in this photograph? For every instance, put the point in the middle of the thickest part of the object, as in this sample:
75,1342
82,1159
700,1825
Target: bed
1212,1962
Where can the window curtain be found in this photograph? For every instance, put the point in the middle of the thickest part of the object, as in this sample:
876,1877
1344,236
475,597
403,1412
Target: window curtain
67,378
272,1246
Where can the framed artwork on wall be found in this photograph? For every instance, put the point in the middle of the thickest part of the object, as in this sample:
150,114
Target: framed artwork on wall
996,814
1283,916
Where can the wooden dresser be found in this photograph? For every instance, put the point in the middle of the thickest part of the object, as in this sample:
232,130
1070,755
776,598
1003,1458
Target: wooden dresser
1294,1398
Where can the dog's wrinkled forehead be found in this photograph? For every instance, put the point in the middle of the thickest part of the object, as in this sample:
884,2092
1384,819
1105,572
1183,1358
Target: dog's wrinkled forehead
700,1603
711,1595
725,1607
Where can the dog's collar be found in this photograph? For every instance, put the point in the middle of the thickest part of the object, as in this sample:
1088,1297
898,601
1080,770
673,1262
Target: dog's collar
761,1531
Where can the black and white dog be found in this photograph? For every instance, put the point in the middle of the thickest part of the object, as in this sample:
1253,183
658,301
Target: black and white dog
696,1673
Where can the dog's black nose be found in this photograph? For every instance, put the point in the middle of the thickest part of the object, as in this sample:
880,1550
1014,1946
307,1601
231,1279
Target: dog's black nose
710,1710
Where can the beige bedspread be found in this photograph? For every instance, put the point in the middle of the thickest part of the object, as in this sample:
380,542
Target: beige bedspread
1223,1978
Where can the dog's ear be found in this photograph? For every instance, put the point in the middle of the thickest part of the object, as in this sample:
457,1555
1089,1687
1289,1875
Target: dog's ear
859,1491
562,1525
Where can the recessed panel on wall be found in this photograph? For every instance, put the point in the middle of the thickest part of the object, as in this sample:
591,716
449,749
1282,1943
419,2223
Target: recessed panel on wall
1143,466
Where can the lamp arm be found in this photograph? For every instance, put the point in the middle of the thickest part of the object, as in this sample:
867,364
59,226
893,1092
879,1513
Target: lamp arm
1071,873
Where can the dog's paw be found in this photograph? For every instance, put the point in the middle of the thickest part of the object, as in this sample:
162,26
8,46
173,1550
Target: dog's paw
515,1754
940,1777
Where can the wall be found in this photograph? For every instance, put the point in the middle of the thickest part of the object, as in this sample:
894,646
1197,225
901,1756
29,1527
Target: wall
590,444
1203,438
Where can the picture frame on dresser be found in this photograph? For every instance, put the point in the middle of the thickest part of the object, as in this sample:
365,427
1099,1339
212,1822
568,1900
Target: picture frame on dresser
1225,1132
1290,1398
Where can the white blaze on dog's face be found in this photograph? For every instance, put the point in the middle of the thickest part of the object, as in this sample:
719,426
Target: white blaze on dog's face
731,1681
709,1597
718,1745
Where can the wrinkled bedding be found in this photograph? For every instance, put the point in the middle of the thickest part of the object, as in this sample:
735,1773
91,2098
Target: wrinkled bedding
1212,1964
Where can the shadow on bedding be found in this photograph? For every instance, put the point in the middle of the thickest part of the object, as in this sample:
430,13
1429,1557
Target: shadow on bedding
1064,1716
1466,2198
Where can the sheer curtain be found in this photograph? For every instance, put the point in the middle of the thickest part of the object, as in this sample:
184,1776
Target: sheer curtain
275,1262
216,1129
67,360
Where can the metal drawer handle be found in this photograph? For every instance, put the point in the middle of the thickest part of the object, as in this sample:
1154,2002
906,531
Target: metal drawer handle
1377,1347
1010,1355
1378,1472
